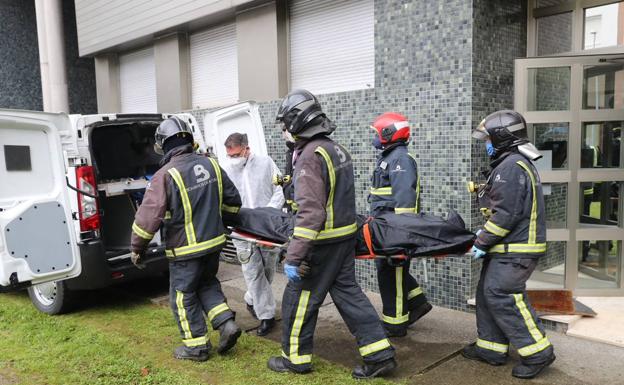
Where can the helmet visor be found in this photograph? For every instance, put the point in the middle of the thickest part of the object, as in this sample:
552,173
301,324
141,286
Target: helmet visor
480,132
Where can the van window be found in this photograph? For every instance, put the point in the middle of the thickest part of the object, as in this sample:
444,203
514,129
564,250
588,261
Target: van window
17,158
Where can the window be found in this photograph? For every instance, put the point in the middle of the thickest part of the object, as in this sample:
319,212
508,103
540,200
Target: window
603,86
604,26
17,158
214,67
554,34
550,89
552,141
558,27
600,144
332,45
137,81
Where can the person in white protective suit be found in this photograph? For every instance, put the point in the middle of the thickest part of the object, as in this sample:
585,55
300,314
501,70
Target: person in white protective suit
252,175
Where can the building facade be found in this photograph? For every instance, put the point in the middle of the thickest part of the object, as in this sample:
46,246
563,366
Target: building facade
20,72
445,64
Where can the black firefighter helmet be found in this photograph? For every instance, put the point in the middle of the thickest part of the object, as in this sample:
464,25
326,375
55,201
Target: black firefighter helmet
505,128
299,112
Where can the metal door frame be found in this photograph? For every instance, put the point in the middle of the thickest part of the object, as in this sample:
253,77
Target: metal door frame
574,175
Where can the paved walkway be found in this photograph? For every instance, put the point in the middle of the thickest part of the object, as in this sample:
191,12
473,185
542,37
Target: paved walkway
430,352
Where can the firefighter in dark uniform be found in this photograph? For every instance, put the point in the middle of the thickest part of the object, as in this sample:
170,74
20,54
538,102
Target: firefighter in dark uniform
396,188
320,256
189,194
511,242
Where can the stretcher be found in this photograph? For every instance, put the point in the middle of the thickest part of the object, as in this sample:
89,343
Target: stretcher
256,241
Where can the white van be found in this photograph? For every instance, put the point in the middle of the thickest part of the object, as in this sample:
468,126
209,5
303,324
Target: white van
69,190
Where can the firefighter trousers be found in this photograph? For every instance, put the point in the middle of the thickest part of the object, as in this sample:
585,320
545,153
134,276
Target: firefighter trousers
332,270
195,293
504,315
400,293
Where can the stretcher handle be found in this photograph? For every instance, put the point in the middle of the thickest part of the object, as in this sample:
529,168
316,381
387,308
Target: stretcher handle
375,256
240,236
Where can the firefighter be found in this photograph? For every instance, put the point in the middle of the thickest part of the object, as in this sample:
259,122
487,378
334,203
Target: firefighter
320,256
396,188
510,243
189,195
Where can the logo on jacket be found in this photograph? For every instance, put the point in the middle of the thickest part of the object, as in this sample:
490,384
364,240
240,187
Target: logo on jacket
201,173
341,154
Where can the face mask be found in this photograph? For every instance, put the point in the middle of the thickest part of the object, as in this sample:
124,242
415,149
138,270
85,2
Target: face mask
288,137
489,148
377,143
238,162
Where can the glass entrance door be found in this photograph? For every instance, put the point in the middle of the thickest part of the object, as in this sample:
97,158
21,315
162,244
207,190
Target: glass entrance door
574,106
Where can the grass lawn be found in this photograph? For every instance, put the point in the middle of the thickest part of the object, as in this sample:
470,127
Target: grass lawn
124,341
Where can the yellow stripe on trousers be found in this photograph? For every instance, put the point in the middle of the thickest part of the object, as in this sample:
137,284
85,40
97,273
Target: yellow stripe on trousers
186,328
294,357
541,341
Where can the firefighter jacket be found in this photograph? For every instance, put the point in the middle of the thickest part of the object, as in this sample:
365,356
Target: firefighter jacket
189,195
395,182
325,197
513,202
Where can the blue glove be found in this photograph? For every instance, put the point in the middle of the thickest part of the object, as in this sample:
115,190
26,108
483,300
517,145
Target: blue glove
292,272
477,253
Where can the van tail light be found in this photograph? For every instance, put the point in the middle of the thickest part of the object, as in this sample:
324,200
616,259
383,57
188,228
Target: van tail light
89,214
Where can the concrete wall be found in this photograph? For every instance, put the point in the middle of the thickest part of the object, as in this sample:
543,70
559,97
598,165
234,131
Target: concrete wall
171,55
261,40
103,25
20,78
107,83
80,70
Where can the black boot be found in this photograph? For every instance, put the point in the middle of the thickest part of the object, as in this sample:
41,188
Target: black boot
528,371
228,334
282,365
266,325
470,352
395,330
378,369
419,312
251,310
199,353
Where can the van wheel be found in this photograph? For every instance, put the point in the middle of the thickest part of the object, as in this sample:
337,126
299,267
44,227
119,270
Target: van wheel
51,297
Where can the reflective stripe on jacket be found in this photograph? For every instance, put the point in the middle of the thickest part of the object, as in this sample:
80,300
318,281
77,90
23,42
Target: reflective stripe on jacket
325,197
517,221
188,194
395,184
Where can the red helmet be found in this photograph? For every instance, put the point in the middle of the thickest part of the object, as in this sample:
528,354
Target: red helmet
392,127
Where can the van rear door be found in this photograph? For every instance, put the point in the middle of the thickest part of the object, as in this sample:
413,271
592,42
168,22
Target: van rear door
37,241
243,118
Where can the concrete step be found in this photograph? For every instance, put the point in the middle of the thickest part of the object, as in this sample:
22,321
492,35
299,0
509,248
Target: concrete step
557,323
